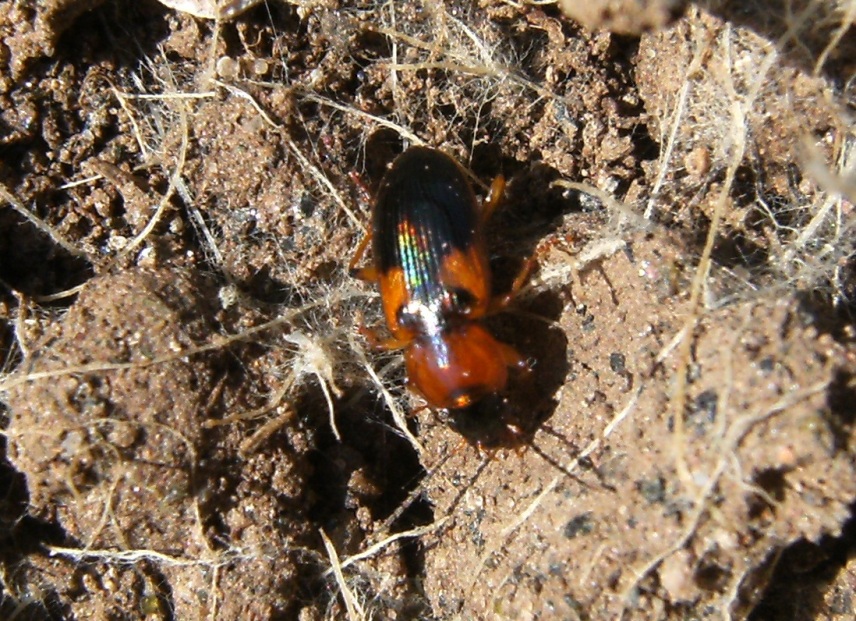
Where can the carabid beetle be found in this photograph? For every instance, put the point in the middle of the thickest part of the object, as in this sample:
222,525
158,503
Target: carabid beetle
430,261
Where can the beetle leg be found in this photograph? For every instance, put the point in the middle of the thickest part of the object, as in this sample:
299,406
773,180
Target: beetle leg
367,273
501,302
377,342
517,433
362,188
512,358
493,198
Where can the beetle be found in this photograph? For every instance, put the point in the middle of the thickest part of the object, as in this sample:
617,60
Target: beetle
431,264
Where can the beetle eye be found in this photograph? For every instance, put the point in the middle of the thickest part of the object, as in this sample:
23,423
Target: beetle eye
463,300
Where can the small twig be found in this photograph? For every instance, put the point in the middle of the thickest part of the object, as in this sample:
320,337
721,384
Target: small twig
355,611
132,557
248,446
384,543
40,224
123,103
397,414
835,39
254,413
608,200
174,179
198,221
402,131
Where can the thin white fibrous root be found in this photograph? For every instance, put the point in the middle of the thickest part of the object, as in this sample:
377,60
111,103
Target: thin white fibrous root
355,611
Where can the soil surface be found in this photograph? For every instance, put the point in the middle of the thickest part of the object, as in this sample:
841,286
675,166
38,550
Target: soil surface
196,427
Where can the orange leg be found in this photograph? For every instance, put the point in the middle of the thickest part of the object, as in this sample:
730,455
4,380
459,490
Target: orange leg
367,273
493,199
498,304
501,302
386,344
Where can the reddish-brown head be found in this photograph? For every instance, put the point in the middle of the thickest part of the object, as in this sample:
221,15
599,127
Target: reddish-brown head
458,366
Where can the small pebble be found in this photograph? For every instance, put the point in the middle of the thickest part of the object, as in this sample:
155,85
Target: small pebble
211,9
